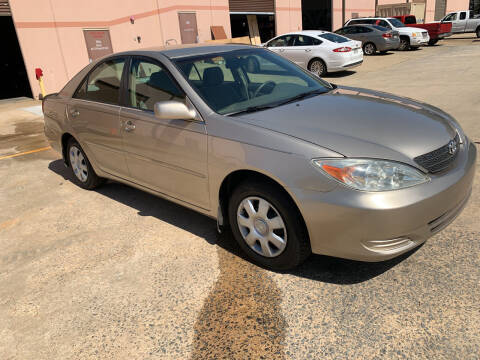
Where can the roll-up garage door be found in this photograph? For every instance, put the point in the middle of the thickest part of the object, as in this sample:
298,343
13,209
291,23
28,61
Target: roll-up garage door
5,8
249,6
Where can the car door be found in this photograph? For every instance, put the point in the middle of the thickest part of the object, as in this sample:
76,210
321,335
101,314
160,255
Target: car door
168,156
453,19
280,44
301,50
459,25
93,113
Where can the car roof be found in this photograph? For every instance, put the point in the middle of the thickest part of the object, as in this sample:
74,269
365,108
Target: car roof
307,32
179,51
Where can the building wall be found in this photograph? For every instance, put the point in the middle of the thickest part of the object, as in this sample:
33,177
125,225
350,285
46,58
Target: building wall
51,37
288,15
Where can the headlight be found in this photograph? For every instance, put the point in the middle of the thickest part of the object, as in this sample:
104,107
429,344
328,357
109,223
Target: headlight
370,174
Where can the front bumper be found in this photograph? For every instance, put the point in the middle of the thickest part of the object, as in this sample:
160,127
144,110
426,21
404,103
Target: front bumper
419,41
370,226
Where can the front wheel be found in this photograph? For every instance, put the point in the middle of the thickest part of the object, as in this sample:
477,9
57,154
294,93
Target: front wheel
404,44
317,67
369,49
267,226
82,171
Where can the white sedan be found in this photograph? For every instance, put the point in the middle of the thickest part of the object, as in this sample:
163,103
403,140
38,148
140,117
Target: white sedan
318,51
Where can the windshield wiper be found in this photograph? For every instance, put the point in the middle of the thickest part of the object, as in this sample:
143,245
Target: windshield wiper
302,96
251,109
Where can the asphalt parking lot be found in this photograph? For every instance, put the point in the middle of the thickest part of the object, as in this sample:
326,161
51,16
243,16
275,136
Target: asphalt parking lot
117,273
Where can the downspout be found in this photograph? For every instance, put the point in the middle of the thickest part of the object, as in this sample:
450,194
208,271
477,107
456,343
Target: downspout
343,13
376,4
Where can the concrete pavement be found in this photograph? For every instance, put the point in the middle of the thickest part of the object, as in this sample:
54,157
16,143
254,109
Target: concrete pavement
119,274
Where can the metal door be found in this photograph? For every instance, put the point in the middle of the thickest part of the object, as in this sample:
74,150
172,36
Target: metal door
98,43
440,9
188,28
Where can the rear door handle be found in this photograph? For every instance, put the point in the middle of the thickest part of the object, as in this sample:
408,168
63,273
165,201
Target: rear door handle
129,126
308,50
281,50
75,113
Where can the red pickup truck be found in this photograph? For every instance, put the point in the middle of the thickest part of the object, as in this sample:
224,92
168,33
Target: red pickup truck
437,31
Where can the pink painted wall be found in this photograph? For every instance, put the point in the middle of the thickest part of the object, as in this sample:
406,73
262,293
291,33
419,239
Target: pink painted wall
51,37
288,15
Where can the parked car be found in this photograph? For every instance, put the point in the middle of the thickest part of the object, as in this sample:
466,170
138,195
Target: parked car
463,22
373,37
318,51
410,37
436,31
288,162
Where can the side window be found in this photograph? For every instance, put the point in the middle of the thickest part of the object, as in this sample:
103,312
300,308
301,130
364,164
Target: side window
350,30
301,40
364,29
279,42
360,29
149,83
463,15
384,24
341,31
103,83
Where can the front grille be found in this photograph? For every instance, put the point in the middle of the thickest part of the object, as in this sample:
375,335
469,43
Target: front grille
439,159
424,34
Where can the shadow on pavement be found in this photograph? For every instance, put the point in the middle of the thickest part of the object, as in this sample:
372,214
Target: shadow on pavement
320,268
339,74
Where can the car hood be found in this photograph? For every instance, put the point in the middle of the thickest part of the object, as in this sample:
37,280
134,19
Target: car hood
410,30
361,123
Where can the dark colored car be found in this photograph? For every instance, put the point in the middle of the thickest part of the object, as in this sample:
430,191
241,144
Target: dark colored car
373,37
437,31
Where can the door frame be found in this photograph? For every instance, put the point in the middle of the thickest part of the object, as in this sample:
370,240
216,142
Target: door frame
180,26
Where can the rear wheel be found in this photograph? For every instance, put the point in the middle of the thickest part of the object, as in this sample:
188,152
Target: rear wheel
478,32
267,226
404,43
432,42
369,49
318,67
82,171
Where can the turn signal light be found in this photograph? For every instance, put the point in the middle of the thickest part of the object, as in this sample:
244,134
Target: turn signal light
343,49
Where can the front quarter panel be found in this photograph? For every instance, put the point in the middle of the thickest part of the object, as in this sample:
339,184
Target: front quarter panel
234,145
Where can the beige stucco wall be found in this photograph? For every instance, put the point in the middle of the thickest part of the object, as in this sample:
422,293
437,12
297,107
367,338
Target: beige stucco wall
288,15
51,37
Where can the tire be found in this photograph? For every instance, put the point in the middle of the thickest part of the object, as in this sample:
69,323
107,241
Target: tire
404,43
82,172
369,49
281,219
318,67
432,42
478,32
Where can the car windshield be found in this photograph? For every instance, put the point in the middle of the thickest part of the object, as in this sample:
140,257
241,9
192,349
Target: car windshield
248,80
334,38
396,23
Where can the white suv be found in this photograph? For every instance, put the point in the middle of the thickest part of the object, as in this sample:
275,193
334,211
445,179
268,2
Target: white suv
410,37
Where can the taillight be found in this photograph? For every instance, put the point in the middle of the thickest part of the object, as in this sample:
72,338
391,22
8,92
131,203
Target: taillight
387,35
343,49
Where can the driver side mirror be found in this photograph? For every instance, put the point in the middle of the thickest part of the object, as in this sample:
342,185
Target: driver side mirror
173,110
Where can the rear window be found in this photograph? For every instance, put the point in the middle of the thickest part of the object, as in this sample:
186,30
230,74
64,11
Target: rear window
334,38
410,20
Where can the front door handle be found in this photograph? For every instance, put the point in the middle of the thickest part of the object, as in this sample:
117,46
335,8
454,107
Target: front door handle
75,113
129,126
281,50
308,50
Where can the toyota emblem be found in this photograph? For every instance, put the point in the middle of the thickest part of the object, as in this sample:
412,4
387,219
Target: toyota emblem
452,147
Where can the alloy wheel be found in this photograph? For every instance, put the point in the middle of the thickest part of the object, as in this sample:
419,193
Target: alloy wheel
78,163
261,226
369,49
317,67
